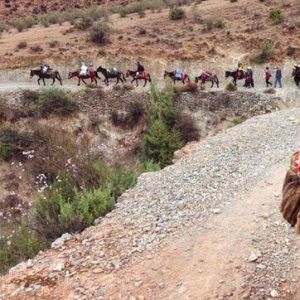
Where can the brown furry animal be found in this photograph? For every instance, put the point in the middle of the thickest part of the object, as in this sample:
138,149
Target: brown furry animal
290,205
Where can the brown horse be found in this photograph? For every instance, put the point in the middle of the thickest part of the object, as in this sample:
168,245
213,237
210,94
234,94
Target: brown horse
51,74
172,75
139,76
207,77
91,75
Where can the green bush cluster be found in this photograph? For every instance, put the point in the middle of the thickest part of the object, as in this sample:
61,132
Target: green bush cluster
161,139
23,23
276,15
23,246
265,54
100,33
176,13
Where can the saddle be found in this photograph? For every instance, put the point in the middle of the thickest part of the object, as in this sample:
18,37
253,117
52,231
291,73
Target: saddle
178,74
112,71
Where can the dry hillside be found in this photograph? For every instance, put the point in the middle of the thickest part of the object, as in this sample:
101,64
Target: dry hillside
214,30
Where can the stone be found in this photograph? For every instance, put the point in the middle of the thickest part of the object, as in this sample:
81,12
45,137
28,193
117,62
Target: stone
60,241
274,294
254,256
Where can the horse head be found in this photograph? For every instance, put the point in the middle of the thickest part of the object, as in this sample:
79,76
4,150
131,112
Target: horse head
165,74
227,74
196,79
100,69
32,73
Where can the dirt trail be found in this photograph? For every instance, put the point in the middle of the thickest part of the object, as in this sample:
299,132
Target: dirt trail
209,261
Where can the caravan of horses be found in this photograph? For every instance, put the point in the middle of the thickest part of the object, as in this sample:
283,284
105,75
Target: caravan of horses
140,74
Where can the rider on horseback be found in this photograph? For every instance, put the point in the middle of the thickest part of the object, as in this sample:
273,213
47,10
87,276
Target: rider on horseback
140,69
83,69
45,68
240,70
178,74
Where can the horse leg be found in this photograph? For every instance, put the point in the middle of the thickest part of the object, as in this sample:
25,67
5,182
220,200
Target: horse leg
212,84
96,81
53,80
145,83
44,81
78,81
39,81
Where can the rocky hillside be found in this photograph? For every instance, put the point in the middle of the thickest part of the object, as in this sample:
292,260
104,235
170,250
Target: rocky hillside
181,226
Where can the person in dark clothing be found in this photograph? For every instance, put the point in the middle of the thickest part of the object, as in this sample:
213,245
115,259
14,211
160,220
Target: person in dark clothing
268,76
278,77
140,68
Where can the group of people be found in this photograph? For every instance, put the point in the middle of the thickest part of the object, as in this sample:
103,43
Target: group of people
241,73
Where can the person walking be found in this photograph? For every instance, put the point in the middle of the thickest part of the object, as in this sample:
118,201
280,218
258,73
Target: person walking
278,77
268,76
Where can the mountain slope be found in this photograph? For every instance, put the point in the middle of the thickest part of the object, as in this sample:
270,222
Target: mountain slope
190,229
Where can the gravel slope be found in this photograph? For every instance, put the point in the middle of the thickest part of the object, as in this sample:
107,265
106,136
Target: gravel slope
161,208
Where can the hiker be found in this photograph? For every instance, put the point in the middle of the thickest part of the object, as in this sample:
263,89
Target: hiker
240,70
278,77
249,82
268,76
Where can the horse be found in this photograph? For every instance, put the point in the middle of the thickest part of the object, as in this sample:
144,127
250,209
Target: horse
213,78
139,76
113,73
172,75
91,75
296,75
51,74
234,75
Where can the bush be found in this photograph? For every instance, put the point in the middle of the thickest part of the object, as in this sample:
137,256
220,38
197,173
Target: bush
186,126
161,139
231,87
55,101
176,13
276,16
24,245
265,54
220,23
84,23
160,143
99,33
64,209
128,119
13,143
19,24
22,45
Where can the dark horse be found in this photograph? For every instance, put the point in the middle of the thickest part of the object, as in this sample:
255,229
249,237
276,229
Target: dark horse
203,78
111,73
91,75
172,75
234,75
51,74
296,75
139,76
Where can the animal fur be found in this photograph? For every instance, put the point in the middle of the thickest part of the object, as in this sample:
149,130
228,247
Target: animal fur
290,205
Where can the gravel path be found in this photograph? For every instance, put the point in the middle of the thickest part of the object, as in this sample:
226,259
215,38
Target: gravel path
164,207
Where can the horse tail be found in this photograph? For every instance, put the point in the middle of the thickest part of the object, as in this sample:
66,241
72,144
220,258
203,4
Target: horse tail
149,77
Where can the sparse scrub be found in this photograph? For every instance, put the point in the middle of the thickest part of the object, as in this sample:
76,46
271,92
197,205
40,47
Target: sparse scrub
276,15
84,23
230,87
13,143
237,120
36,48
100,32
176,13
187,127
22,45
265,54
55,101
219,23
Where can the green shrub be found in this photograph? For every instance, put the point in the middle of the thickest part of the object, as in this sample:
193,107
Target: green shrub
55,101
19,24
276,15
160,143
231,87
94,12
120,181
265,54
50,18
24,245
84,23
100,32
66,209
176,13
220,23
148,166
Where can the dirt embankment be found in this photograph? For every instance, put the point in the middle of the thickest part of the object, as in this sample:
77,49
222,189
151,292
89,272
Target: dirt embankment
207,227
